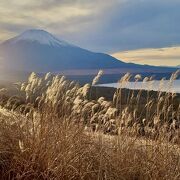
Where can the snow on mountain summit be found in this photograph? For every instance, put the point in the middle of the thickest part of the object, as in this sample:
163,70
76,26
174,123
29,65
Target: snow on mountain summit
39,36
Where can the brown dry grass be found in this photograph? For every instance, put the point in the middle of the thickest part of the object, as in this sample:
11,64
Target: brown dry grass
47,137
55,148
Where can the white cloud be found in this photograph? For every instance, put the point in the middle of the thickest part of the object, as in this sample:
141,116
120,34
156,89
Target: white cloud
169,56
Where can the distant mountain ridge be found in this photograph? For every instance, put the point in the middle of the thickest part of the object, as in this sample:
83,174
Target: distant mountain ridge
39,51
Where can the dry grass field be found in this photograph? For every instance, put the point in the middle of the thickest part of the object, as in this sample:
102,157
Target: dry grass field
55,129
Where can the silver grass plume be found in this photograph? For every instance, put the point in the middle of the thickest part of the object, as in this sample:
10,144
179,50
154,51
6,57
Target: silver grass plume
97,77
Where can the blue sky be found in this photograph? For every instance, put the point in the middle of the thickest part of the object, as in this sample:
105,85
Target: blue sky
111,26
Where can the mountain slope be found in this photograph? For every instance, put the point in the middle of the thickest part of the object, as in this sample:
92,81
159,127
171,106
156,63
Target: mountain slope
39,51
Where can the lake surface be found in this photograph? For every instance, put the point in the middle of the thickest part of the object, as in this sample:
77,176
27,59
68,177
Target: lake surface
150,85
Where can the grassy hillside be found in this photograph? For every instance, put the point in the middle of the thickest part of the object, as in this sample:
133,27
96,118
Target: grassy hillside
53,128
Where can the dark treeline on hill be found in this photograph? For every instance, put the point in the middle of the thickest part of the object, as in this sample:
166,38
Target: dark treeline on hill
125,94
108,92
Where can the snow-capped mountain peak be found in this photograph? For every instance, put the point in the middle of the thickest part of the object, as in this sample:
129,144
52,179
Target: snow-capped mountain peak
40,36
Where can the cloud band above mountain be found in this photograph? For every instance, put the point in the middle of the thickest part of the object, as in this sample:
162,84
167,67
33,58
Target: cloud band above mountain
160,56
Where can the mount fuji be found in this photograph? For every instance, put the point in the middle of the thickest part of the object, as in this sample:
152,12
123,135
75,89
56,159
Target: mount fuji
40,51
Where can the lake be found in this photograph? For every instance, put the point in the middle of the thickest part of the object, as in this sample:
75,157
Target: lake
165,85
